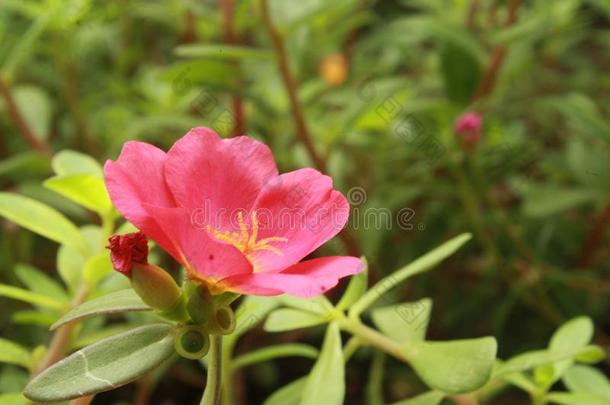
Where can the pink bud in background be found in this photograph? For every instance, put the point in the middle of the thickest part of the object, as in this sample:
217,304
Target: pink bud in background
468,129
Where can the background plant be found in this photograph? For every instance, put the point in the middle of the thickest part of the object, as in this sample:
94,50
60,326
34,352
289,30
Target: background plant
367,91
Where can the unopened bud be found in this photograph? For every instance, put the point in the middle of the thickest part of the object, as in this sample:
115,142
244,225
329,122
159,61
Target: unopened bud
129,255
468,129
155,286
200,306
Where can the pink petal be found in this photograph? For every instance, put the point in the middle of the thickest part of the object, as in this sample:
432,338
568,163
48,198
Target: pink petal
306,279
203,256
218,177
136,178
302,207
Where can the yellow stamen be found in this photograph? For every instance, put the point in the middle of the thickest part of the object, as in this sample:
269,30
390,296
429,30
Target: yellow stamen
245,240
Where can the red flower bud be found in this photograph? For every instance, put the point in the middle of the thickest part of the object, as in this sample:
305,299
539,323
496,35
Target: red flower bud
468,129
127,250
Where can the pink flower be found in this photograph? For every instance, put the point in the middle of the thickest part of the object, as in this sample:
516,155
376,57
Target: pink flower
468,129
221,209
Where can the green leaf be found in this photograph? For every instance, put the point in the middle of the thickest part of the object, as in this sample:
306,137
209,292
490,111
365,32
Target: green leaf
69,162
428,398
25,164
587,162
402,322
453,367
590,354
541,201
13,398
13,353
30,297
530,360
97,268
356,288
35,106
421,264
289,394
581,398
40,283
461,73
570,337
582,114
23,48
587,380
113,303
574,334
41,219
33,317
87,190
89,338
522,381
273,352
317,305
223,52
326,382
251,312
284,319
105,365
213,72
70,266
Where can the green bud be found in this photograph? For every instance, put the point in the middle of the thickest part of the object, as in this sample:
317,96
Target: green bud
155,286
222,321
200,307
191,342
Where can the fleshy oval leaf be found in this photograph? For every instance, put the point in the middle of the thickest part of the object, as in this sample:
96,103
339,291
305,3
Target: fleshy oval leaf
104,365
120,301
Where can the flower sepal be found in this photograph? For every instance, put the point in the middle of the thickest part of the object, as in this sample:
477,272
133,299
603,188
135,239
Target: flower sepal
178,313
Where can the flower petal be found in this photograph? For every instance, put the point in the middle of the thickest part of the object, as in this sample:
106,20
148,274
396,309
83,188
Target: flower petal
218,177
302,207
203,256
136,178
305,279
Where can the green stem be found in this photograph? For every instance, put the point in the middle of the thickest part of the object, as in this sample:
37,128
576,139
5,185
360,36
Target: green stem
227,371
372,337
213,387
473,212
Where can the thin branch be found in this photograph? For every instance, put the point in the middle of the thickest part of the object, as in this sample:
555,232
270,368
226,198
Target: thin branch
595,238
230,37
498,55
82,400
23,127
471,17
60,343
302,130
290,84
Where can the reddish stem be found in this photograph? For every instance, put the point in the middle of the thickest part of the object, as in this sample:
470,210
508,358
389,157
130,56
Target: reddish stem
498,55
471,17
290,84
595,238
24,128
230,37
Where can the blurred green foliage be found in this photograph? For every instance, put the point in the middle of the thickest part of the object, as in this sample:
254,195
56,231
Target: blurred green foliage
380,85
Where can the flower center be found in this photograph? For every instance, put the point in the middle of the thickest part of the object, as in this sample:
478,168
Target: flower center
246,239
